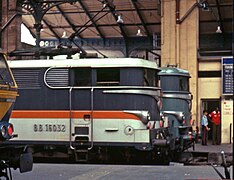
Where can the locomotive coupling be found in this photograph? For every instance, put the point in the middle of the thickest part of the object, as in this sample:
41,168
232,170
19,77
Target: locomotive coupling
161,142
160,137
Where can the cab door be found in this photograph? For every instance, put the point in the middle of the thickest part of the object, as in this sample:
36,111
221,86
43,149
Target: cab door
81,107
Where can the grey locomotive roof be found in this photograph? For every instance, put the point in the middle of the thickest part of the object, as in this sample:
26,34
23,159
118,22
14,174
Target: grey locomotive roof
167,71
94,63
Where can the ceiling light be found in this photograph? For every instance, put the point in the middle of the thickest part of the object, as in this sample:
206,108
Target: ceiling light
64,34
204,5
139,33
119,20
218,30
47,43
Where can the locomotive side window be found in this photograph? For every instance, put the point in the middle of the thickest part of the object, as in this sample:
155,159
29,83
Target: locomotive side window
150,78
81,77
5,76
108,77
183,84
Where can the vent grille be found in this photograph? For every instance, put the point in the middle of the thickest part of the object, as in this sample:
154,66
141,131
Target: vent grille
57,77
27,78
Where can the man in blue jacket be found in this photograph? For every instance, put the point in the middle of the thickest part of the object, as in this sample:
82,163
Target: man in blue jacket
204,128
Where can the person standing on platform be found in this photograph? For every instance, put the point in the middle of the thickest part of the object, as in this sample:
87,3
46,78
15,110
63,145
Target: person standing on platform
204,128
215,116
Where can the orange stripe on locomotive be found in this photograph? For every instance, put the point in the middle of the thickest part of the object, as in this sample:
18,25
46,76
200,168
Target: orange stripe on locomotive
75,114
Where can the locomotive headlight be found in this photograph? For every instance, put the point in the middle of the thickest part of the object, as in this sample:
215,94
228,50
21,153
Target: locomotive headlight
190,105
159,104
181,117
143,115
3,131
148,116
162,116
6,131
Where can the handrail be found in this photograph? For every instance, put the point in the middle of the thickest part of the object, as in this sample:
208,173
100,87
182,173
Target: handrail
70,121
92,89
230,135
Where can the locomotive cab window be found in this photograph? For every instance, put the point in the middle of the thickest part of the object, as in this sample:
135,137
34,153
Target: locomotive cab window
108,76
183,84
174,83
80,77
5,75
150,77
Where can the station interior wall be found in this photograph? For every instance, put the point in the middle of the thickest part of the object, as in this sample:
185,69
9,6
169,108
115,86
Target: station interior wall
227,120
210,88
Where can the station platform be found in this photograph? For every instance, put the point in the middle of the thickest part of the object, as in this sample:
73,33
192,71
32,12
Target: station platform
211,154
227,148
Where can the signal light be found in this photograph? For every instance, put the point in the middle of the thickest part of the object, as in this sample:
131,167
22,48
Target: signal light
10,130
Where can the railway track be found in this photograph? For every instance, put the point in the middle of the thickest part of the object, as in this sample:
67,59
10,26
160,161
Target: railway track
193,158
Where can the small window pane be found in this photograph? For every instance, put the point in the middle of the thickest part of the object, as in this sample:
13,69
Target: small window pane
150,78
108,77
184,84
82,77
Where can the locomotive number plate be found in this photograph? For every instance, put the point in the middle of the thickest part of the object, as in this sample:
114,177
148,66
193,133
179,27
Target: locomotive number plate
49,128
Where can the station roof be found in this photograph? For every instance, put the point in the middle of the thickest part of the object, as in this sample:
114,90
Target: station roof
117,18
98,19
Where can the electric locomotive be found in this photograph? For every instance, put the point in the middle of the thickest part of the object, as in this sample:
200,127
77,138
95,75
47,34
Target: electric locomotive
8,94
176,107
89,108
10,156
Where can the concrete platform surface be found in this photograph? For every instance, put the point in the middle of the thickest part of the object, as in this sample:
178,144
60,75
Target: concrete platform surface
211,154
227,148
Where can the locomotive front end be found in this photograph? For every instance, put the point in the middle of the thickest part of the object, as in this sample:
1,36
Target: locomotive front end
177,105
8,94
10,156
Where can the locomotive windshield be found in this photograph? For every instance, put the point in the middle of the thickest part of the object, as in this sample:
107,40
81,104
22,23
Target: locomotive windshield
150,77
5,75
174,83
183,84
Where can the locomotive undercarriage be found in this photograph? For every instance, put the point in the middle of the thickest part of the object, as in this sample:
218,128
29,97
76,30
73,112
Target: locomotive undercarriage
106,154
184,138
161,149
15,157
156,151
